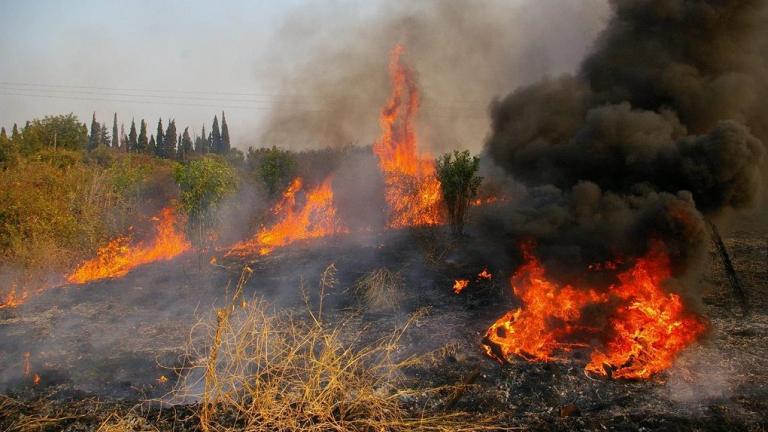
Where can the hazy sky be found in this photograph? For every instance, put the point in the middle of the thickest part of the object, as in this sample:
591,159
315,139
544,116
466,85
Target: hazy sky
192,59
188,59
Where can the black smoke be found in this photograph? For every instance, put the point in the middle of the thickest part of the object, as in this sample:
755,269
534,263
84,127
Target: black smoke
663,125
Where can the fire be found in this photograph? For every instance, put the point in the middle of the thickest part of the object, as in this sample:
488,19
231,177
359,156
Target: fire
459,285
119,257
484,275
411,186
646,329
315,218
13,299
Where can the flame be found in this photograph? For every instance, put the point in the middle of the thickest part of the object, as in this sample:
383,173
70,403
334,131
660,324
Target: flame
459,285
646,331
315,218
13,298
412,190
119,257
36,379
484,275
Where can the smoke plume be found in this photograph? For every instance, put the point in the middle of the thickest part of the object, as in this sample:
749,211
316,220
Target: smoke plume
662,125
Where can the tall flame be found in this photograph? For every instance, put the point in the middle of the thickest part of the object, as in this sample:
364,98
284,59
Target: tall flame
646,330
411,186
119,257
315,218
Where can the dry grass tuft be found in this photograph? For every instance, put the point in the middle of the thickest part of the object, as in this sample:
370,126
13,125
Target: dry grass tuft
379,290
280,371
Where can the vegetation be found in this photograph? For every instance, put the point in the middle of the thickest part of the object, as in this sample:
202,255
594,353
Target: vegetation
273,167
203,184
269,371
459,182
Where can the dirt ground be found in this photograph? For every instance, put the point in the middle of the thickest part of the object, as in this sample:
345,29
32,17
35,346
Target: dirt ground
106,348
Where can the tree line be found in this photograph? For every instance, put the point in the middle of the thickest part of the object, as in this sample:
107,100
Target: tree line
66,132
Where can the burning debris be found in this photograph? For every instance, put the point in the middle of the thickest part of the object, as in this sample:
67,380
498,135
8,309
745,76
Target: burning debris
119,257
411,186
459,285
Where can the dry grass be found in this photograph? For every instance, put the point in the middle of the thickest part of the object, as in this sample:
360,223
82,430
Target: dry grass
279,371
379,290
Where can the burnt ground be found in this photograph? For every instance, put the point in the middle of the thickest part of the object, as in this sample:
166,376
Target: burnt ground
101,348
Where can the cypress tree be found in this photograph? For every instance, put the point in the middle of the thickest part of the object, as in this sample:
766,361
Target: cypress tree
185,147
201,145
224,133
132,143
123,139
115,136
170,140
216,145
143,142
152,146
160,139
95,138
15,135
3,135
105,139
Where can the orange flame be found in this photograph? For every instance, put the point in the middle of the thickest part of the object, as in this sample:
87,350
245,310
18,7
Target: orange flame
484,275
459,285
119,257
316,218
13,299
646,331
412,190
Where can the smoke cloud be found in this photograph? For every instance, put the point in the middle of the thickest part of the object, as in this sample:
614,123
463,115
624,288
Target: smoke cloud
465,53
661,125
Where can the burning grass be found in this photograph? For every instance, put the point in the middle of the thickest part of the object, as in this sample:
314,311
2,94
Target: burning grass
267,371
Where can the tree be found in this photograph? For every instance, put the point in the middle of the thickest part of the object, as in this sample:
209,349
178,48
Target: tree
62,131
216,144
8,153
160,138
115,136
224,134
203,184
459,182
152,146
94,139
169,150
185,146
105,140
274,167
142,145
123,138
132,142
201,144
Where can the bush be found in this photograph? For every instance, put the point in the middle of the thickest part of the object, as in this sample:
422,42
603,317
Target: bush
273,167
459,182
203,184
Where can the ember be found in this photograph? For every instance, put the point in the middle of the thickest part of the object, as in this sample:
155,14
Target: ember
315,218
484,275
412,188
119,257
647,329
459,285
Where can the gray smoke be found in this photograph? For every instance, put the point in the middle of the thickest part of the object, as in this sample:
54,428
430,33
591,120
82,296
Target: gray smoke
330,65
664,122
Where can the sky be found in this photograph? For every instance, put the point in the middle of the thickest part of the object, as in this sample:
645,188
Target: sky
193,59
151,59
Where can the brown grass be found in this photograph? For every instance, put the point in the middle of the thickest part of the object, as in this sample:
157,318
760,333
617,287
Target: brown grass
280,371
379,290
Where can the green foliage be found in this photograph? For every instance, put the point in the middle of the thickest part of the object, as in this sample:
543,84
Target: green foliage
459,182
142,144
62,132
203,184
273,167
